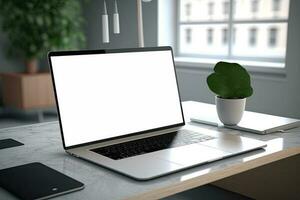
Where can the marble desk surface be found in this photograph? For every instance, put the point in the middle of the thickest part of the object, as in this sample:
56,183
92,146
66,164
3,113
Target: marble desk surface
43,144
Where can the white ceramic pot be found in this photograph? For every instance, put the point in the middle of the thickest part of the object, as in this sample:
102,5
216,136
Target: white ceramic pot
230,111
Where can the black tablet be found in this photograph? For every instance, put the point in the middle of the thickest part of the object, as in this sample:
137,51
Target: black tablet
37,181
8,143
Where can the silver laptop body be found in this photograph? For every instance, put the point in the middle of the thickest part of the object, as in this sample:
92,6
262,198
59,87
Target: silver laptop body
120,97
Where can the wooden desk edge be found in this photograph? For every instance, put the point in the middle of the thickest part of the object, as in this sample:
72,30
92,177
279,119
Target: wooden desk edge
214,176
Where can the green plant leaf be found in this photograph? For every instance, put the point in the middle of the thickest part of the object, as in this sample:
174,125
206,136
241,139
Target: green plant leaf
230,81
34,27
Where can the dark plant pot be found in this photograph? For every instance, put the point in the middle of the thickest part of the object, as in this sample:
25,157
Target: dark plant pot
32,66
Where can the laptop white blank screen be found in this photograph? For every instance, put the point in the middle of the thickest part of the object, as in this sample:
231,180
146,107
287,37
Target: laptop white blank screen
101,96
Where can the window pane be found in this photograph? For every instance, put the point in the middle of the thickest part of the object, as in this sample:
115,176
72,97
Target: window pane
204,10
260,9
203,39
263,40
258,31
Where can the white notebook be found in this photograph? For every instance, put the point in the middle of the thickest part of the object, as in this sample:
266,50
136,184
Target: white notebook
251,121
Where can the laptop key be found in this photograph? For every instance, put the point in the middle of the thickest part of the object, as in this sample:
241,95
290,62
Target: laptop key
151,144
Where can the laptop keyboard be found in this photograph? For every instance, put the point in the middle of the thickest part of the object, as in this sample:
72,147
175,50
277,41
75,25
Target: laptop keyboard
151,144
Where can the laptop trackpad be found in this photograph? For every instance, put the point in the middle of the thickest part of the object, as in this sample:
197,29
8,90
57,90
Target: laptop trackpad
192,154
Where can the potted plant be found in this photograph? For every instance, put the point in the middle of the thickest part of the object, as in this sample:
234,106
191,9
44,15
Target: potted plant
231,84
34,27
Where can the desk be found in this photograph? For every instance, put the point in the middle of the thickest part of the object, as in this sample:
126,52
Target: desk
43,144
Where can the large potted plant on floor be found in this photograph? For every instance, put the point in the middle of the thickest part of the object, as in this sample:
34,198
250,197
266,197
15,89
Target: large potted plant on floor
231,84
34,27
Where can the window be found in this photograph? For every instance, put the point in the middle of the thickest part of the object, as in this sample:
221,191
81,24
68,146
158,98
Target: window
233,35
210,33
188,35
226,7
188,9
240,34
211,8
254,6
233,2
252,36
276,5
273,37
225,36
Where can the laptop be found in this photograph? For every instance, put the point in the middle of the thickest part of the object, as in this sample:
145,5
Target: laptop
121,109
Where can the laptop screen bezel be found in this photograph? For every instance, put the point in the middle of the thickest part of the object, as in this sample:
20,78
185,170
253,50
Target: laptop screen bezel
110,51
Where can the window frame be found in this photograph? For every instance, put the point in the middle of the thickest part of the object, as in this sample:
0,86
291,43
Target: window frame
231,40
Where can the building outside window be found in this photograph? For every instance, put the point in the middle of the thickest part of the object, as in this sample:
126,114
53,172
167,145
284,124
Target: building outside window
188,35
252,36
210,33
233,2
211,8
276,5
233,35
238,35
226,7
224,36
254,6
188,9
273,32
